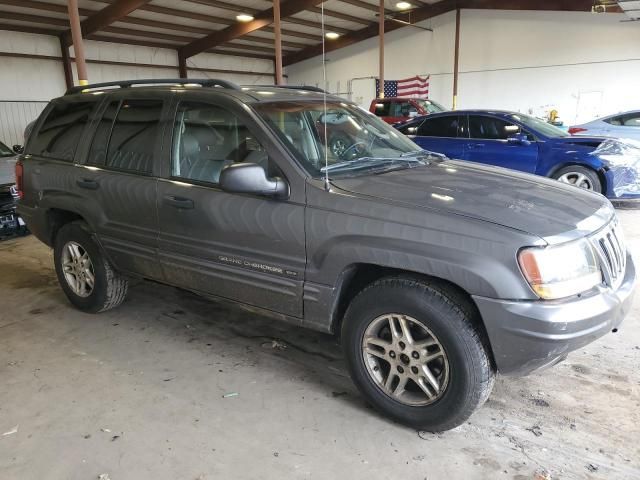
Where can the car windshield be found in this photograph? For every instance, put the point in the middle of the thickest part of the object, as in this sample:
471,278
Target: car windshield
355,141
430,106
5,151
540,126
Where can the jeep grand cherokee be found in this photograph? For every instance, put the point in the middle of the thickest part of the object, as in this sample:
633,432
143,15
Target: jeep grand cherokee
435,273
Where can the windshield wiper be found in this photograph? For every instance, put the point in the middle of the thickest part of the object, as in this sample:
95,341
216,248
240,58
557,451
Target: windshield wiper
364,162
425,154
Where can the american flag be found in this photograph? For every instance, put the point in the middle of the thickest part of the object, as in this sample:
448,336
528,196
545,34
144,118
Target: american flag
409,87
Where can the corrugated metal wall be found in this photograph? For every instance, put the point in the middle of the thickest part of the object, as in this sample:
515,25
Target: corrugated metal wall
14,117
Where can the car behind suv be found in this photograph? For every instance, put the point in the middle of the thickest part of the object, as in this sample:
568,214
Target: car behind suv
399,109
436,274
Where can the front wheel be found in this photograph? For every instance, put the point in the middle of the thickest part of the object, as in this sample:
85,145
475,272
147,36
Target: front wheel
578,176
414,352
84,273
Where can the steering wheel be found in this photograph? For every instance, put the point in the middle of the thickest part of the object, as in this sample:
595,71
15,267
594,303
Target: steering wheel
353,150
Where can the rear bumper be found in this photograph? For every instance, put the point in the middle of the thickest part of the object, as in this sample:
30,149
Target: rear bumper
36,221
529,335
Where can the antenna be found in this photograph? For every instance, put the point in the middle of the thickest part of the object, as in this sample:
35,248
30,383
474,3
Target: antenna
327,185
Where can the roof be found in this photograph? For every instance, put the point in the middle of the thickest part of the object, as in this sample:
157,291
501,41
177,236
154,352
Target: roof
260,93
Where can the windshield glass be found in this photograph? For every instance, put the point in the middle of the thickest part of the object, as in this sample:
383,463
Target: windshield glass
5,151
540,126
357,141
430,106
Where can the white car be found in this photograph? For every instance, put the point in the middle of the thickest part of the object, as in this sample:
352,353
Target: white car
620,125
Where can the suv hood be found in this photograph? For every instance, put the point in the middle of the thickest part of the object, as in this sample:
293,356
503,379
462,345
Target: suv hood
536,205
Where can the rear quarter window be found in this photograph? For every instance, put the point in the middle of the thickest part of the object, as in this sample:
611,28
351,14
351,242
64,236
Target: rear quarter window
61,130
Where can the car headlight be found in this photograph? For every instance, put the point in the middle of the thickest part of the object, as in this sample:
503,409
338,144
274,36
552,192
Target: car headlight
561,271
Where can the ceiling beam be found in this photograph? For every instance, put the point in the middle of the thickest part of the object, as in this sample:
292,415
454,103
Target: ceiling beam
340,15
105,17
27,29
361,4
262,19
432,10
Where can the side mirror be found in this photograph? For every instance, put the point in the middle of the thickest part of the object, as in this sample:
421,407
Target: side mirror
251,178
18,149
519,139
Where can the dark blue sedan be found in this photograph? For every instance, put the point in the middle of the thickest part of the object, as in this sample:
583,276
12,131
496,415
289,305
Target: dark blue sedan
521,142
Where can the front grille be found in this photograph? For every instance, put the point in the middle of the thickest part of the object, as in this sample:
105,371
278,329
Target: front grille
610,247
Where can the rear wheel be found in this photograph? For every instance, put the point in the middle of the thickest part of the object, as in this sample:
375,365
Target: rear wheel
84,273
414,352
578,176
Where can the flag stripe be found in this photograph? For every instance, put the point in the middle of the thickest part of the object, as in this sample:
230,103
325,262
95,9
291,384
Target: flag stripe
409,87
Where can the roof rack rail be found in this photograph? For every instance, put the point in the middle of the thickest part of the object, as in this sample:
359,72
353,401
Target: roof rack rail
208,82
293,87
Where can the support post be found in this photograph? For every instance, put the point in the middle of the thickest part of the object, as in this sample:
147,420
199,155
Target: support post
182,66
66,62
277,40
381,49
456,56
78,44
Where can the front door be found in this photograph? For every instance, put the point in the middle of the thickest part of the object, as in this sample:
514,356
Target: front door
487,143
246,248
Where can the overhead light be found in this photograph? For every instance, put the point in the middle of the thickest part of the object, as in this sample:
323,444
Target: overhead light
244,17
403,5
332,35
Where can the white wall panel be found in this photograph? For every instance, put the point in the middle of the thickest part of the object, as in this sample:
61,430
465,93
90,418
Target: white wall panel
523,61
14,117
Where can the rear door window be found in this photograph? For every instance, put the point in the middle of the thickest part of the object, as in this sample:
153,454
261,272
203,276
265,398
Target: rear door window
134,136
62,130
98,151
491,128
449,126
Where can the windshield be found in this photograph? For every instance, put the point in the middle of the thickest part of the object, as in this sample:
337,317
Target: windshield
357,141
430,106
540,126
5,151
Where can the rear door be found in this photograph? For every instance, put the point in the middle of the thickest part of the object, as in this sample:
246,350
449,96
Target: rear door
116,186
246,248
488,144
442,134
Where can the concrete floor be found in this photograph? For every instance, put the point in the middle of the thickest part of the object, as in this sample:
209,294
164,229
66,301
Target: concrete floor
138,393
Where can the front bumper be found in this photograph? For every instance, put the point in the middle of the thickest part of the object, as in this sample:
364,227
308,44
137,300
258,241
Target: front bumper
528,335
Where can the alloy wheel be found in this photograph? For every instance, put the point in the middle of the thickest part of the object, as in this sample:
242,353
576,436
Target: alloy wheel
405,359
576,179
78,269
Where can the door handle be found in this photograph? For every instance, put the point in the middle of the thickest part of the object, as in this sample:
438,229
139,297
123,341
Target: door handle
178,202
88,184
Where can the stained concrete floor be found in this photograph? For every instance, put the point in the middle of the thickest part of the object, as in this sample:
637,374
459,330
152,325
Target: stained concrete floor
139,393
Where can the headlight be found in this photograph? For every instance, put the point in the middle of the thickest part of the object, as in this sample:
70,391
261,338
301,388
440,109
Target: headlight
562,271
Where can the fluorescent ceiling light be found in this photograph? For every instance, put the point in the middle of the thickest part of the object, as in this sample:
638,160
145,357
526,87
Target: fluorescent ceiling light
332,35
244,17
403,5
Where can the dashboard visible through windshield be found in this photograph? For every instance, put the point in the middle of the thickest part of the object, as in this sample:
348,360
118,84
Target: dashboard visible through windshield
341,140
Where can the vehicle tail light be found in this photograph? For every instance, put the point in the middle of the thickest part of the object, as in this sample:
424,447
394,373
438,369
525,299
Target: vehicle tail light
574,130
19,178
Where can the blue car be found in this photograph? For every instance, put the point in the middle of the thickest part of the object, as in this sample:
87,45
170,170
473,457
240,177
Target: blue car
521,142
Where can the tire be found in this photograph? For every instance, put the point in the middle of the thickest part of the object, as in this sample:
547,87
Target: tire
587,178
109,288
465,370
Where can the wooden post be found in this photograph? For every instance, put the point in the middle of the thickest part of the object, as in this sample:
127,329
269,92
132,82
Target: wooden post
456,56
66,62
78,45
277,40
381,49
182,66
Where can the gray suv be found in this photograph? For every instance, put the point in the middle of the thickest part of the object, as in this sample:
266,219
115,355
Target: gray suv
436,274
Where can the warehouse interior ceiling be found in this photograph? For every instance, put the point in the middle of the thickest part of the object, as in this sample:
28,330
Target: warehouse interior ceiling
196,26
